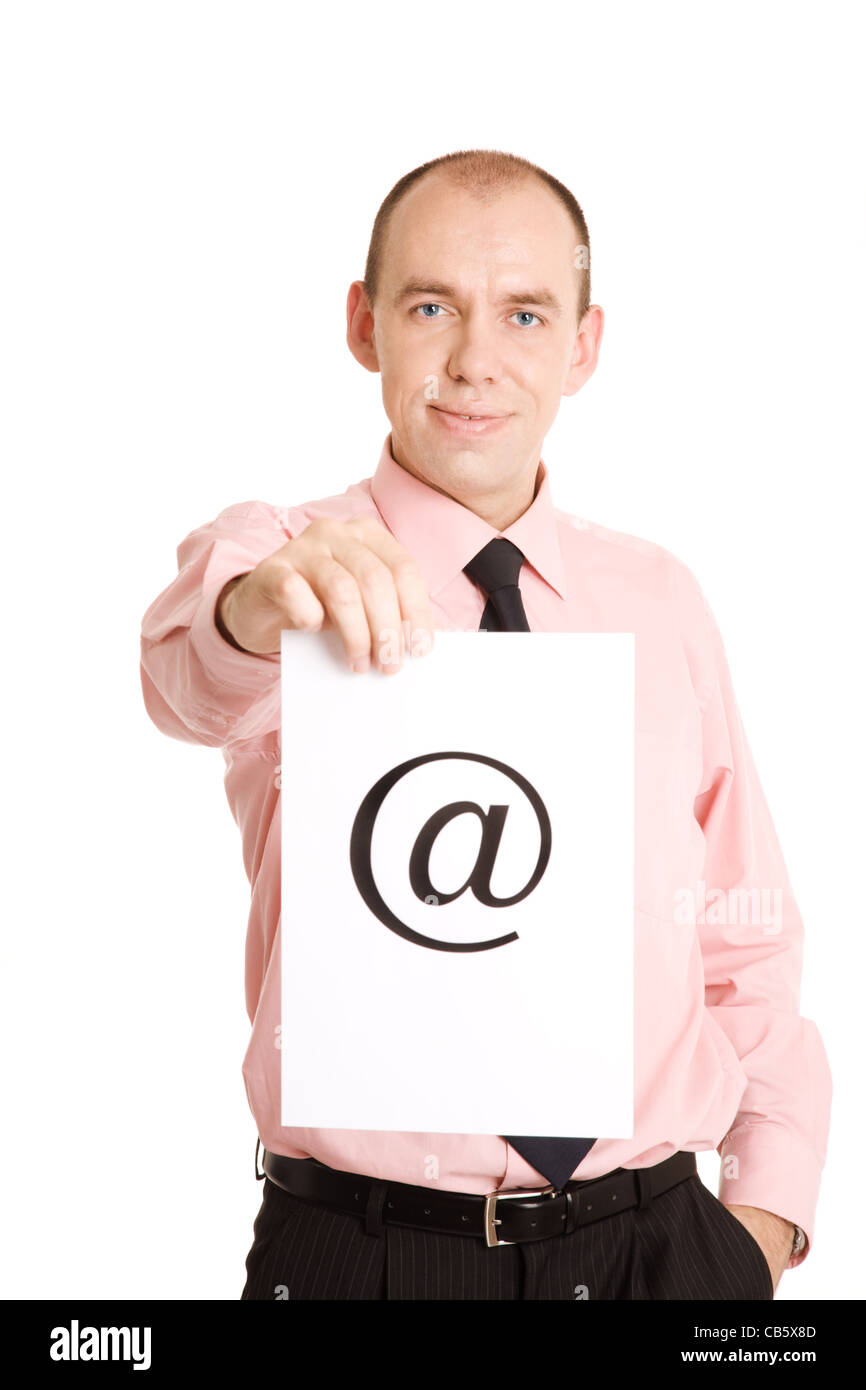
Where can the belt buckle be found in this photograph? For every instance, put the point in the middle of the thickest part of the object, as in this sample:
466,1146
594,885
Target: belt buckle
490,1217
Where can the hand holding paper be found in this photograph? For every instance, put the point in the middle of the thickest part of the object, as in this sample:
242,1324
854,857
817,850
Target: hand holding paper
350,575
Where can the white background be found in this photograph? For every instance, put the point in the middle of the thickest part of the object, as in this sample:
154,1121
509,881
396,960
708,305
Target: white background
189,189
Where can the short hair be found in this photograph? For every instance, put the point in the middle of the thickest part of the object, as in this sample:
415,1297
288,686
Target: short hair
486,174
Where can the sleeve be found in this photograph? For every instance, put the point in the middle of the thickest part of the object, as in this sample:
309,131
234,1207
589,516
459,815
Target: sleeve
197,687
752,948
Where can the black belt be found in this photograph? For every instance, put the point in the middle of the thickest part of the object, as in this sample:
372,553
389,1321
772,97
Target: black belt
499,1218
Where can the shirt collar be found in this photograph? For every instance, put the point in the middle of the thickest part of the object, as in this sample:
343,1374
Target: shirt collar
442,535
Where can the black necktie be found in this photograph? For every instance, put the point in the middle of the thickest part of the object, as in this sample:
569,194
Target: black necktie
496,570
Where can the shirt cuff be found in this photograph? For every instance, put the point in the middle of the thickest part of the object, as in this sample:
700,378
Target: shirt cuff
223,663
776,1173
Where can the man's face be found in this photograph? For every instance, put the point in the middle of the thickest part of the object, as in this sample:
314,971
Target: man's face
475,314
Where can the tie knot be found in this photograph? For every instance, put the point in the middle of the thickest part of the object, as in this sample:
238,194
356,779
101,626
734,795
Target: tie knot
496,566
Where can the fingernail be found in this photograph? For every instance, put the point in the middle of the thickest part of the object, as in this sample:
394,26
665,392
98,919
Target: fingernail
361,665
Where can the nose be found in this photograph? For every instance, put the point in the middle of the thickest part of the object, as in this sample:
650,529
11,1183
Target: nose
475,356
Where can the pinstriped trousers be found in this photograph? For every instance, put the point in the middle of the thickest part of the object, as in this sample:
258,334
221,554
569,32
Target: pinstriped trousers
684,1245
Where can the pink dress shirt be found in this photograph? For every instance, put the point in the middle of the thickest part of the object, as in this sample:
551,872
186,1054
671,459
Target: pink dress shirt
722,1057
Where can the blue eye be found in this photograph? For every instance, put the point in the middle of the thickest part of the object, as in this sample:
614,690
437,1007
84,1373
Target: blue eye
438,311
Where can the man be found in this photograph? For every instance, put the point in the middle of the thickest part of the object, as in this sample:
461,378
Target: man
475,309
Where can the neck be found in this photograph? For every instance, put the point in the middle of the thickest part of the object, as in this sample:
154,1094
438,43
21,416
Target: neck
496,508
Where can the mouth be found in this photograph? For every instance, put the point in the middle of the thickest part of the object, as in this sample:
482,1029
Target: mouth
472,422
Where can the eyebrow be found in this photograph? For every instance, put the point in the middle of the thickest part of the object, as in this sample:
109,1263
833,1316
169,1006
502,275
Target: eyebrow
436,289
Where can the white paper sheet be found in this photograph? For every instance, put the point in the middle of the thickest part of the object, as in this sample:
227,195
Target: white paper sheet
382,1032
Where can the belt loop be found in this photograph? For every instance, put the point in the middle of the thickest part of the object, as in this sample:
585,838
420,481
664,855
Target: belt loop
643,1179
259,1175
572,1206
373,1220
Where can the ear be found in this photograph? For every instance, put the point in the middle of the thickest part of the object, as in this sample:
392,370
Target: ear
584,356
360,334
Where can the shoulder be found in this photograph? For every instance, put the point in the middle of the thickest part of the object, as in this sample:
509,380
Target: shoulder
650,567
651,577
355,501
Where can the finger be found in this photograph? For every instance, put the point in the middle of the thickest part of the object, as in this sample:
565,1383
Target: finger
416,609
380,599
339,593
292,594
